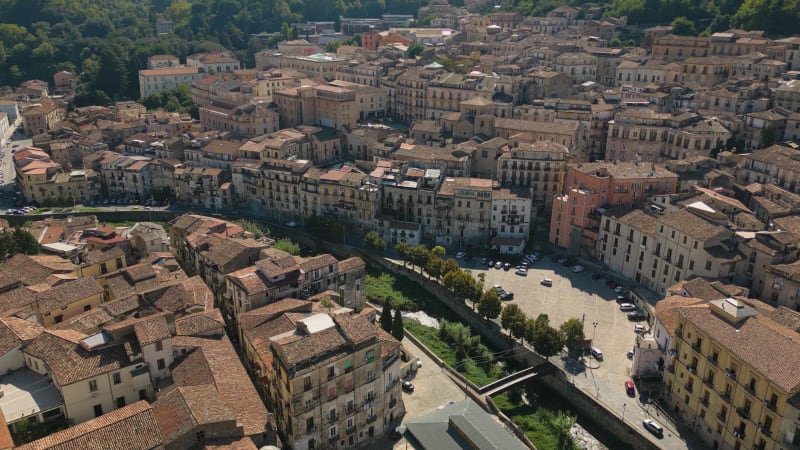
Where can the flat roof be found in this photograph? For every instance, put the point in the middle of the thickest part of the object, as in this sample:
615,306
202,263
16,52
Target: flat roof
26,393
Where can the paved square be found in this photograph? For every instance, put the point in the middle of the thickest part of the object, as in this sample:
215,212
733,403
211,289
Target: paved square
572,295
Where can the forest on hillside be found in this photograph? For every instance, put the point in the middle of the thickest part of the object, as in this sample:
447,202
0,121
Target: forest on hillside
107,42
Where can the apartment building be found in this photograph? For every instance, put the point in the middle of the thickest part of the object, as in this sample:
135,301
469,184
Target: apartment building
581,67
776,164
67,299
338,104
127,176
368,74
511,219
589,187
242,120
348,195
214,154
782,285
152,81
43,181
642,134
40,118
317,65
538,166
658,251
213,62
567,133
274,184
408,194
333,380
410,97
208,188
731,368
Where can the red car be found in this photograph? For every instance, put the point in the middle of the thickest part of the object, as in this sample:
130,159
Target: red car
630,388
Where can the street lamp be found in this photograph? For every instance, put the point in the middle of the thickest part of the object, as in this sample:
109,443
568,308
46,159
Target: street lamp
594,330
624,405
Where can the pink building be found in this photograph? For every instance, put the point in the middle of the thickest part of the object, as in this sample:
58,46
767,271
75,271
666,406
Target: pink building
589,187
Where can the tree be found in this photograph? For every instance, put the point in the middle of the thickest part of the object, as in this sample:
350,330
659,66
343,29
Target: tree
397,326
449,265
434,267
519,325
288,246
549,342
402,249
573,333
510,316
438,251
419,256
414,50
490,305
374,241
682,26
386,315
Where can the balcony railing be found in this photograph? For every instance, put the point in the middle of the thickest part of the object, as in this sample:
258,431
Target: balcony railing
688,387
726,397
709,382
704,402
721,416
350,430
743,413
738,433
372,418
334,437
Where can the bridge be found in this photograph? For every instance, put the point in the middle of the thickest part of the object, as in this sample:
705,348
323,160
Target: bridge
506,383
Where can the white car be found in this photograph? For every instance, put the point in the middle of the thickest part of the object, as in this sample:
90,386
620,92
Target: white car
627,307
460,255
620,289
522,271
546,282
578,269
291,224
639,329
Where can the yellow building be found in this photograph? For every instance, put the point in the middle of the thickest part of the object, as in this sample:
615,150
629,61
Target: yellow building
67,299
732,374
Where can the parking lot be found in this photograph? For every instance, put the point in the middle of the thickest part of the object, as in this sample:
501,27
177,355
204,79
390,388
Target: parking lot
590,299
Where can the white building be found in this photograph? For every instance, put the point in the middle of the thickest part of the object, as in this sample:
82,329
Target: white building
152,81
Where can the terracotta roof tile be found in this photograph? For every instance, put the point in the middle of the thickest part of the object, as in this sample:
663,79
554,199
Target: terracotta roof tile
199,324
68,293
151,329
132,427
14,332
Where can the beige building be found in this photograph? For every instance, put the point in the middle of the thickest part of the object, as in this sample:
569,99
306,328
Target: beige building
213,62
317,65
245,120
658,251
333,380
581,67
43,181
339,104
152,81
537,166
732,370
40,118
68,299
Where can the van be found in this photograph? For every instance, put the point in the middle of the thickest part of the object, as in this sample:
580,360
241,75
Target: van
653,427
597,353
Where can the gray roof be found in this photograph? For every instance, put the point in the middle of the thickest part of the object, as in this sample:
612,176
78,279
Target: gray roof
462,425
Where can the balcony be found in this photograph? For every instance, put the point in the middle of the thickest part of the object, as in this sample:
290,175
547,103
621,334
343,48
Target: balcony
688,387
696,347
740,434
671,369
726,397
349,388
709,382
350,430
730,374
372,418
712,361
764,431
743,412
721,416
704,402
391,384
772,406
334,438
679,332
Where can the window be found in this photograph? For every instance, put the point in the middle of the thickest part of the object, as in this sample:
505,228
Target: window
159,346
332,414
310,425
120,402
708,265
333,431
98,410
143,394
92,385
307,382
160,364
117,378
331,372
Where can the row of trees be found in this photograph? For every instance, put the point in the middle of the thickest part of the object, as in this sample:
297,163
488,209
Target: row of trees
465,344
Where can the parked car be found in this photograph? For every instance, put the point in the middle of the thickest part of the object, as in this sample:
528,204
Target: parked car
547,282
497,287
578,269
419,363
627,307
460,255
507,296
639,329
490,263
635,316
522,271
620,289
408,386
597,353
483,260
498,264
622,299
630,389
653,427
507,267
562,260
